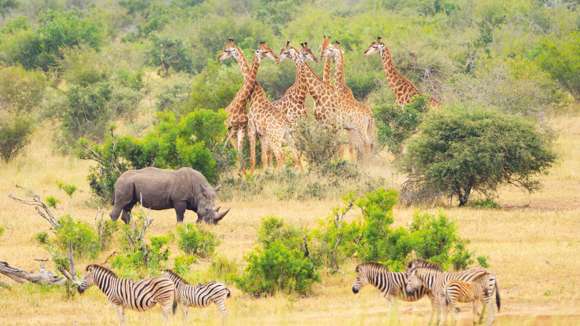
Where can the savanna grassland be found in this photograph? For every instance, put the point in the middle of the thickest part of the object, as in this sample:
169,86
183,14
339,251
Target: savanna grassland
79,77
531,243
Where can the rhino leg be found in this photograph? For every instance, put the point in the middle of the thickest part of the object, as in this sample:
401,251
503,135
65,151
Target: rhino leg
126,216
115,212
180,208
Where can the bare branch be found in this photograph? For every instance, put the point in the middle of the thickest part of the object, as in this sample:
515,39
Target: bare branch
39,206
109,257
19,275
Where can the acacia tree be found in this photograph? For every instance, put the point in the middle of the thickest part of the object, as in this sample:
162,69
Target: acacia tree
461,150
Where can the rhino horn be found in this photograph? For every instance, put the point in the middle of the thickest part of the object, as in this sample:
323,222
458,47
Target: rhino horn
217,210
221,215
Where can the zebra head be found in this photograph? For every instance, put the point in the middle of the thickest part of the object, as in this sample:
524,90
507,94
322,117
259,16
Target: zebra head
414,282
361,279
87,281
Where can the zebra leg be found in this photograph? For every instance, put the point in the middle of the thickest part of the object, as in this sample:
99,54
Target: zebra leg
444,311
121,314
185,313
222,308
166,310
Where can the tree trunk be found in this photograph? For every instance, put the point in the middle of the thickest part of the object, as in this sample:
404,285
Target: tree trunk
464,197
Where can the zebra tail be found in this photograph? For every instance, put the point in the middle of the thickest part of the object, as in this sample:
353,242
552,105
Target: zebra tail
229,293
174,306
497,298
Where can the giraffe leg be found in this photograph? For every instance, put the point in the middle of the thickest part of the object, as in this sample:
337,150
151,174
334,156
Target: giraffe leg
265,152
240,148
252,138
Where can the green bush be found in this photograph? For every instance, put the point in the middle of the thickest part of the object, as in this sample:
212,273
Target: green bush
195,140
280,262
169,53
195,240
396,123
51,201
68,188
485,203
14,135
57,31
371,236
318,146
20,90
463,150
181,264
139,257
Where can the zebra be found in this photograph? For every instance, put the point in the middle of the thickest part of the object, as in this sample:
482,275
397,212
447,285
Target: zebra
125,293
391,284
435,281
459,291
420,263
200,295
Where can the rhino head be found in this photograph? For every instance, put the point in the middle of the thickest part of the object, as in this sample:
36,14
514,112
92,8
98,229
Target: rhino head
206,210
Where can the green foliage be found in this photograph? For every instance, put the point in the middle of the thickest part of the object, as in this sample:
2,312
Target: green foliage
20,90
68,188
195,240
371,236
139,257
482,261
459,151
169,53
560,59
6,6
215,87
51,201
83,237
318,146
195,140
58,30
14,135
396,123
485,203
106,228
2,230
280,262
181,264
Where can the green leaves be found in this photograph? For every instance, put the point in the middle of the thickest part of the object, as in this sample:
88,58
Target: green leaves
463,150
195,240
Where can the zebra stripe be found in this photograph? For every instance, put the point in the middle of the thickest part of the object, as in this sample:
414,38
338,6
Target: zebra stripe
200,295
391,284
125,293
435,281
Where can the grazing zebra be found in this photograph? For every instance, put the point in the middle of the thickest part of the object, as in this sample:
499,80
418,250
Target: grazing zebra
435,281
459,291
200,295
136,295
391,284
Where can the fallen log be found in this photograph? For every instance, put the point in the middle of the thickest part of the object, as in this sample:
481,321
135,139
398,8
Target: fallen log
18,275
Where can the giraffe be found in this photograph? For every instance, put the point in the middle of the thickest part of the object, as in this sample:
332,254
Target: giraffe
364,112
292,103
402,87
264,120
237,118
331,110
327,63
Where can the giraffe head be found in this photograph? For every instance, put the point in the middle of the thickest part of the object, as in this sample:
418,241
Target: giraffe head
264,51
332,51
306,53
376,47
230,50
289,52
324,46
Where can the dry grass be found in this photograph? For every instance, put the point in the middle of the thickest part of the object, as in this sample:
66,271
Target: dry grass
533,247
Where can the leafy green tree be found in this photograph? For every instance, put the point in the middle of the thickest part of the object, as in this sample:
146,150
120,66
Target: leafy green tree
561,60
20,90
169,53
462,150
14,135
6,6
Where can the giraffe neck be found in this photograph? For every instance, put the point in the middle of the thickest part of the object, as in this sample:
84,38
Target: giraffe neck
326,70
242,62
395,78
339,76
316,87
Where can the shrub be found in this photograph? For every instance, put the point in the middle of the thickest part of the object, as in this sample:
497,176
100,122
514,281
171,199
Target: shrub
195,140
181,264
169,53
224,269
371,237
317,145
51,201
20,90
194,240
485,203
139,257
14,135
2,230
68,188
459,151
396,123
280,262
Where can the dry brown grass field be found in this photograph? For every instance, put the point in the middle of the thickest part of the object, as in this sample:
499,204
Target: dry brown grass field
533,244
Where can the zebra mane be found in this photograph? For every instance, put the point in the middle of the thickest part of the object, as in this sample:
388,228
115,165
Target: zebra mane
101,268
372,264
421,263
176,276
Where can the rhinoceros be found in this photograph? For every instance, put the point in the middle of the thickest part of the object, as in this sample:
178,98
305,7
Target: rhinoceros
159,189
